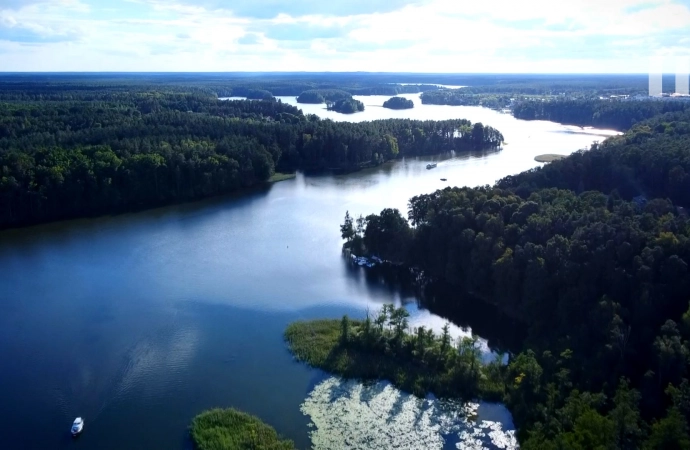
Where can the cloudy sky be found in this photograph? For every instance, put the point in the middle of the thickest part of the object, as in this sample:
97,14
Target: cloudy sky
342,35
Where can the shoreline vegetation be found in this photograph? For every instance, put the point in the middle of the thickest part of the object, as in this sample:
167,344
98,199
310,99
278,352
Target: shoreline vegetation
230,429
548,157
384,348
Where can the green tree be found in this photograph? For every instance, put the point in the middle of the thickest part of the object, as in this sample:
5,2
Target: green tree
626,416
592,431
345,330
669,433
346,229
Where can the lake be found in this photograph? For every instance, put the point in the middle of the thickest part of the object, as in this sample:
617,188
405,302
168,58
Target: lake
140,321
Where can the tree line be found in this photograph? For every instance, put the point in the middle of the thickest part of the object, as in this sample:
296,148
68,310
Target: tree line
465,97
596,273
323,96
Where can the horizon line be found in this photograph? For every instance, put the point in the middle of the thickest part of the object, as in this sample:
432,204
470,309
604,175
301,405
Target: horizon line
7,72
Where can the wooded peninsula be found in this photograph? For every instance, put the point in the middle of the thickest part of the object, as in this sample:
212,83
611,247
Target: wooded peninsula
590,255
75,150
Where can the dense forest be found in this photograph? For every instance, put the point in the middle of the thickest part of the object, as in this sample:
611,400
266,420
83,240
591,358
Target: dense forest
398,103
610,114
651,160
462,97
346,106
258,94
323,96
69,153
590,254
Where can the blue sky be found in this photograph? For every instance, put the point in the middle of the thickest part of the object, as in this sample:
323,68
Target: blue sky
334,35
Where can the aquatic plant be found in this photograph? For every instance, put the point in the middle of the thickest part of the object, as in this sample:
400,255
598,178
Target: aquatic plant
348,414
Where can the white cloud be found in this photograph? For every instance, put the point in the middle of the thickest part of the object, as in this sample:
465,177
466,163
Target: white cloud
435,36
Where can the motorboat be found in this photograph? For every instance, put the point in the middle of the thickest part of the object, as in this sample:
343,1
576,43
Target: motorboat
444,179
77,426
431,166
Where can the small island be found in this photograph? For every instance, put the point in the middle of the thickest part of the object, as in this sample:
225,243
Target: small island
229,429
548,157
346,106
382,349
398,103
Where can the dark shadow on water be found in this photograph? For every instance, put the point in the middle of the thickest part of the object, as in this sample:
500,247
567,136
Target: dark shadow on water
397,408
450,441
389,168
503,333
182,212
396,285
390,283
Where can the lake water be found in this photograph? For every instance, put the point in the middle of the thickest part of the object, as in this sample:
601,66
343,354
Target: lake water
140,321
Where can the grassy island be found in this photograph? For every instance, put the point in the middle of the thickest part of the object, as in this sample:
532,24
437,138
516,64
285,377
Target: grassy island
382,348
229,429
548,157
278,176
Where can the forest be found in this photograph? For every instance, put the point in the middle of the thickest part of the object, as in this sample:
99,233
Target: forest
323,96
609,114
590,255
462,97
398,103
81,150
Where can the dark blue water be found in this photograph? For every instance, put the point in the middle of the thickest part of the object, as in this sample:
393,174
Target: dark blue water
139,322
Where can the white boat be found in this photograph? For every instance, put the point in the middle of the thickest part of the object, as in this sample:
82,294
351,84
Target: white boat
431,166
77,426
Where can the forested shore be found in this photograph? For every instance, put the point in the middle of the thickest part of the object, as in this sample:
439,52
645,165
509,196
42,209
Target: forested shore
590,254
612,114
78,152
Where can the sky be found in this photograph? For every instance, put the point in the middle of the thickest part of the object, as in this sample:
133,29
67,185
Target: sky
447,36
